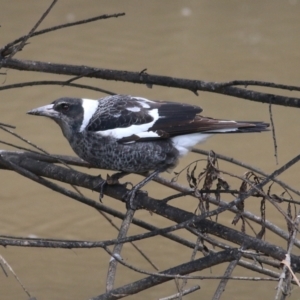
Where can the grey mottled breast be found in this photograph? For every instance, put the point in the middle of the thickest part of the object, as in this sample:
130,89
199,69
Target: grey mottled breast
107,153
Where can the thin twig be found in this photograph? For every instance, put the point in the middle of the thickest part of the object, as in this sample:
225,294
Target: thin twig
247,83
18,147
55,82
222,284
182,293
273,133
184,282
7,125
247,254
42,150
247,166
26,37
132,244
15,275
285,281
260,192
62,26
112,268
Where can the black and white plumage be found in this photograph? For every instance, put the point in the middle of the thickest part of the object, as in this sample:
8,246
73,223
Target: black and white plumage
134,134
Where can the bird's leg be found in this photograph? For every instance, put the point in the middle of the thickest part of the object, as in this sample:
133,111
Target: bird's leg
110,180
129,197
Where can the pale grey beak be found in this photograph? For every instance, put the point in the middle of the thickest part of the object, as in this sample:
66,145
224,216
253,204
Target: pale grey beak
46,111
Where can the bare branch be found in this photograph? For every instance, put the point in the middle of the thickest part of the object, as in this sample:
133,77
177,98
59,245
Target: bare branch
247,83
183,293
196,265
181,217
145,78
221,287
112,268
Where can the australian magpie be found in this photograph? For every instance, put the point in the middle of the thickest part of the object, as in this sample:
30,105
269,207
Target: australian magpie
134,134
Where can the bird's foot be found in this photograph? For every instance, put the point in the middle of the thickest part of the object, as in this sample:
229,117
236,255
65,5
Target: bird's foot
110,180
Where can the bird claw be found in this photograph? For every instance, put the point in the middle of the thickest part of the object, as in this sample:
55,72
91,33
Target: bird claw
110,180
101,185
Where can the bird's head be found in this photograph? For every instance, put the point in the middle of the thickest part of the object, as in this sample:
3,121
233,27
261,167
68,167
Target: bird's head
68,113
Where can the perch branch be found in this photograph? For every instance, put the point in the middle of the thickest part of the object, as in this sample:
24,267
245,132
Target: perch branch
147,79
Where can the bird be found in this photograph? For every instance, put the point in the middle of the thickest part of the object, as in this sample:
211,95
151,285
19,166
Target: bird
132,134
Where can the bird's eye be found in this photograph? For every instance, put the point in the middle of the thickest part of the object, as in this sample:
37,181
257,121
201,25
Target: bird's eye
65,106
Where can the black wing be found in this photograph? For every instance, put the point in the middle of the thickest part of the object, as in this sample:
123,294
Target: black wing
136,119
131,119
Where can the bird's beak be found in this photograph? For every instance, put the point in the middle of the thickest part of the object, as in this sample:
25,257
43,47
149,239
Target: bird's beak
46,111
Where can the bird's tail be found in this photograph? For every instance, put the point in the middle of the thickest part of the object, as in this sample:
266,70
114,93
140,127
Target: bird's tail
246,126
203,127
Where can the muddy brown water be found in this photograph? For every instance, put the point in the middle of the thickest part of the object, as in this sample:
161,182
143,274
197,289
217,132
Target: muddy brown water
206,40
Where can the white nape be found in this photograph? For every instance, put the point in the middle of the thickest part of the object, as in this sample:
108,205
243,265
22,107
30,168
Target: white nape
89,108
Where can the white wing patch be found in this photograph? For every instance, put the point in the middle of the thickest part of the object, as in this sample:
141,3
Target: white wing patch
133,109
119,133
145,105
89,108
147,134
142,101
